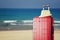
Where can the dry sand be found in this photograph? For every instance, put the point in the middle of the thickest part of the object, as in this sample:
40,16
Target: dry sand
22,35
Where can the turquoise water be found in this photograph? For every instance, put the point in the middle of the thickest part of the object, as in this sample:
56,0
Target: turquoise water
24,14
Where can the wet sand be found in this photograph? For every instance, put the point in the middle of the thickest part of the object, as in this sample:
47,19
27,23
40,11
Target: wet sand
23,35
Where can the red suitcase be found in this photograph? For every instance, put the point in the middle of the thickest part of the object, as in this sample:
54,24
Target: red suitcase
43,28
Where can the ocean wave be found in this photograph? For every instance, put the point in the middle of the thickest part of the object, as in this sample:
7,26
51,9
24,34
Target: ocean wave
25,21
57,22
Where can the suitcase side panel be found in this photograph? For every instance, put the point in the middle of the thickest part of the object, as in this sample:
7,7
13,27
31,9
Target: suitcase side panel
36,29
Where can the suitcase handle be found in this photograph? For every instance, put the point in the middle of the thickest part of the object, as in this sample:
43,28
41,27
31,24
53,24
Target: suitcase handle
47,5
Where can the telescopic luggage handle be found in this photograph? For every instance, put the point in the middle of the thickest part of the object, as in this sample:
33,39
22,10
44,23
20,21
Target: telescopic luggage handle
46,6
45,12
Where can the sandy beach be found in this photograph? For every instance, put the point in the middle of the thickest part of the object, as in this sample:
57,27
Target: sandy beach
57,35
23,35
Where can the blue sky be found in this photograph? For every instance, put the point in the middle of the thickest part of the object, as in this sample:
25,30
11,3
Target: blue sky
28,3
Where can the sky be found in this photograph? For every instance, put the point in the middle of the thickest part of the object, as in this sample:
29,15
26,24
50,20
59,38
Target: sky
28,3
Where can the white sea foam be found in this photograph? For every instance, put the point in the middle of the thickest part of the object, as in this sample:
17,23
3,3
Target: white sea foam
9,21
26,22
57,22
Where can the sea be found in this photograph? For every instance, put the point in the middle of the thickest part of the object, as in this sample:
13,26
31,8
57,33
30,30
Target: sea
25,14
